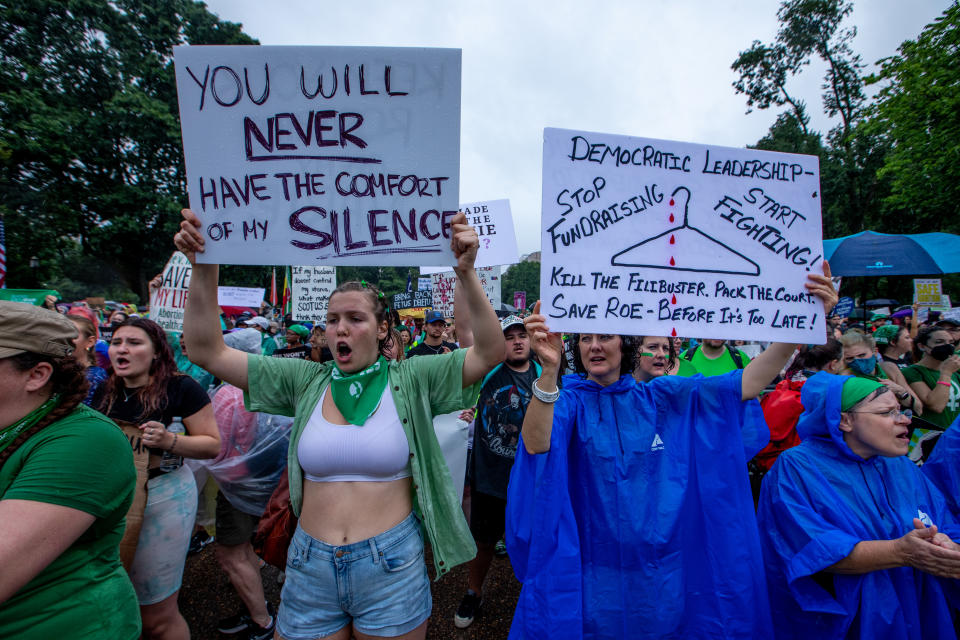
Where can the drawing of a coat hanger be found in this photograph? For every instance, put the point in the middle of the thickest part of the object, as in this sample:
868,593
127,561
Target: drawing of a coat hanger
698,250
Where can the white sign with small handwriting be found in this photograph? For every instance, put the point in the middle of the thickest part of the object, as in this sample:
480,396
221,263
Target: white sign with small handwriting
332,155
240,296
654,237
311,288
498,241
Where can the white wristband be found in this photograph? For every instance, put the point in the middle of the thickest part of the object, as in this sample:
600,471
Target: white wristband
542,395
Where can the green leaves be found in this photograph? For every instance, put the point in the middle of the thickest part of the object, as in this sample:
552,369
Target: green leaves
90,150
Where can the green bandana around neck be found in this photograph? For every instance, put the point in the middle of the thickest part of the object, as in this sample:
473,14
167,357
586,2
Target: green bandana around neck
856,389
357,395
9,434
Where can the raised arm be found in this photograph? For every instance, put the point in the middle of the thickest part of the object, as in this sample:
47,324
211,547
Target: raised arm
915,321
201,319
935,400
765,367
461,315
487,349
538,421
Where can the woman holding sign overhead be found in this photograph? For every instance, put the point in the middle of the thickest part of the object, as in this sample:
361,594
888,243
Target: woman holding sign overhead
629,507
366,472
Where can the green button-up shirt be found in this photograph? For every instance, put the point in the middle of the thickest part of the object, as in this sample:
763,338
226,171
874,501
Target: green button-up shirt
422,388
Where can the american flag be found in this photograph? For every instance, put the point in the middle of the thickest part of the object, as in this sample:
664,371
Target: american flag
3,256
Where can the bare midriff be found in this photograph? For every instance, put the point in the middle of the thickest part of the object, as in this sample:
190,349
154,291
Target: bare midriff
342,513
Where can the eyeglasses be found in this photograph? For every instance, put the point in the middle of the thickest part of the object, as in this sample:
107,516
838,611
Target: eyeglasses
893,413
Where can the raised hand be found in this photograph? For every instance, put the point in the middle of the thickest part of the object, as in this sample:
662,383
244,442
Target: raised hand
950,365
464,242
547,345
822,287
188,239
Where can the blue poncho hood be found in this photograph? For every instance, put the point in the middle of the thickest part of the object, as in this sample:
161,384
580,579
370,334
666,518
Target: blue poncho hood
821,411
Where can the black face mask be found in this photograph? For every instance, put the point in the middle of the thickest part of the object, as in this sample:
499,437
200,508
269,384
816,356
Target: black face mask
941,352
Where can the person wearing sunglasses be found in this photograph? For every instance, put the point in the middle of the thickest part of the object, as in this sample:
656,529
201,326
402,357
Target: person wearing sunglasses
857,543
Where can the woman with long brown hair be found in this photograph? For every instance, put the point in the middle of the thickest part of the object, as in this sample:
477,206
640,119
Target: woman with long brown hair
145,388
66,482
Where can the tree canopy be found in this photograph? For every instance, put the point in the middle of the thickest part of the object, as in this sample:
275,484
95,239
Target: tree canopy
890,164
90,156
918,111
524,276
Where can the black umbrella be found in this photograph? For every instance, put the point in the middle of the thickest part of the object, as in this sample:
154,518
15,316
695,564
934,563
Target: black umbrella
882,302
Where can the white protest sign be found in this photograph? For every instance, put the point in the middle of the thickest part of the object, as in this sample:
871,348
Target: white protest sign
643,236
927,293
240,296
168,302
494,224
424,283
444,285
311,289
309,155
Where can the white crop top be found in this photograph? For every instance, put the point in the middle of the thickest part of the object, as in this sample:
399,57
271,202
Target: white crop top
376,452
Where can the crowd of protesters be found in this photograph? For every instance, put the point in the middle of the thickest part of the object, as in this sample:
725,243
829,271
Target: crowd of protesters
643,486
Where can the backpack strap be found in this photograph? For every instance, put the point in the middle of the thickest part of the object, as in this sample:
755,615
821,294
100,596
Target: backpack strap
689,353
735,354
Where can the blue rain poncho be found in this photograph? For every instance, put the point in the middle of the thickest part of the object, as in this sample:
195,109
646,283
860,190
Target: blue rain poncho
639,521
821,499
943,467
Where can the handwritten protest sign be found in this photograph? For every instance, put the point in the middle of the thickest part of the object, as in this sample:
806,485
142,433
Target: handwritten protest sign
520,300
339,155
643,236
169,301
444,285
927,293
412,299
498,241
424,283
239,296
843,308
311,291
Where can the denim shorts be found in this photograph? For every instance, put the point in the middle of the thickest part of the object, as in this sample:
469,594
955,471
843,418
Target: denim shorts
380,585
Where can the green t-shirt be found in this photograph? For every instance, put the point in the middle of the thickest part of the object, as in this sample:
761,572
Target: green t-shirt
83,462
685,368
918,373
717,366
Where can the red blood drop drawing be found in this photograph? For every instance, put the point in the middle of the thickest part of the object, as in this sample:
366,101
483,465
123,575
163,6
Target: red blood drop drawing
674,332
671,217
673,262
673,239
673,300
671,202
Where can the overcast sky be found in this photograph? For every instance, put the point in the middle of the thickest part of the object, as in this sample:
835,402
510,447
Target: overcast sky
658,69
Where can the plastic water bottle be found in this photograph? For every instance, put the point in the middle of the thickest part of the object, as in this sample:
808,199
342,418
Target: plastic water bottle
170,461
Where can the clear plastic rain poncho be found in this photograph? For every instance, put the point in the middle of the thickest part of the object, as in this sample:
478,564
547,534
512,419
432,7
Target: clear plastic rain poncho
253,446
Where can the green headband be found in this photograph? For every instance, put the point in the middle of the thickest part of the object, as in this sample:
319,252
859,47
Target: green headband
856,389
299,329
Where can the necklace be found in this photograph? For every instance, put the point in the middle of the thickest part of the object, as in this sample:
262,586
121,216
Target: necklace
127,395
436,350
